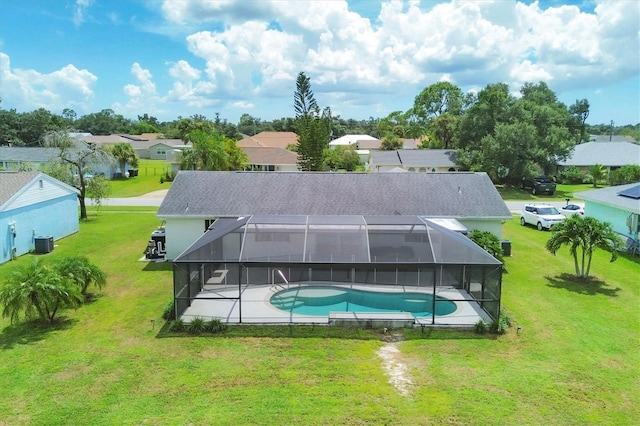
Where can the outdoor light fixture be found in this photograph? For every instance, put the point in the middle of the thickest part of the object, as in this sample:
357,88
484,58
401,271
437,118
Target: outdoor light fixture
518,330
153,324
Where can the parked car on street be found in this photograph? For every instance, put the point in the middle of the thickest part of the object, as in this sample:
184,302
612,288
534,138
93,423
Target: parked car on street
571,209
539,185
542,216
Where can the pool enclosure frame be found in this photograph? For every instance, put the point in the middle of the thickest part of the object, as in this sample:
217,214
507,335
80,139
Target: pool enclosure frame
397,253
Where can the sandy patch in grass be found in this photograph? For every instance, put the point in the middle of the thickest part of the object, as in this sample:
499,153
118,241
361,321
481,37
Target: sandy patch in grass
395,367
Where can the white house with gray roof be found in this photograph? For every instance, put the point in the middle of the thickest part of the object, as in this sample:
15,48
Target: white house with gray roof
413,160
196,199
612,155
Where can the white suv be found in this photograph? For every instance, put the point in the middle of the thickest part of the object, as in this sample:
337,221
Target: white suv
542,216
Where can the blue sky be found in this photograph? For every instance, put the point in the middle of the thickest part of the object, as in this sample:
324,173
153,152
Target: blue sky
365,58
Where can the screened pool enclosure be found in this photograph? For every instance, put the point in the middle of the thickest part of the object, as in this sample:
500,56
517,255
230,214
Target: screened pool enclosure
234,270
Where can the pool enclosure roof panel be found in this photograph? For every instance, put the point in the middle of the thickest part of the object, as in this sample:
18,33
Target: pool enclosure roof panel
346,239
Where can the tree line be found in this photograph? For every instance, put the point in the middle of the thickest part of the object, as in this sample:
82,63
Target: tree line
492,130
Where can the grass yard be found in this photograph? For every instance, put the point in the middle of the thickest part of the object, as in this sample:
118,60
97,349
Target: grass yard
563,191
148,180
574,362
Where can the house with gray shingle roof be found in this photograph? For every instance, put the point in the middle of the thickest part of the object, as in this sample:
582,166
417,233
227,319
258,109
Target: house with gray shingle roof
413,160
14,158
33,204
612,155
271,159
197,199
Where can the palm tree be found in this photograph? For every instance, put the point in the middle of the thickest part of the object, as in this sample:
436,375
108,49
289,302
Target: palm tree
584,235
81,272
37,291
208,152
598,173
124,154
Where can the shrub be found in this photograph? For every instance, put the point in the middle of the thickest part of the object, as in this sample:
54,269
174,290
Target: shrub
502,324
168,312
572,175
177,325
197,326
625,174
169,176
489,242
215,325
480,327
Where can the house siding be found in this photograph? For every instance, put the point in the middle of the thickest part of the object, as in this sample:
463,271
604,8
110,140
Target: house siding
617,217
38,191
182,232
57,217
486,225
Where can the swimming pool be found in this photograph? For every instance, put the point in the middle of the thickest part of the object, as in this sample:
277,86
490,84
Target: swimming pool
320,300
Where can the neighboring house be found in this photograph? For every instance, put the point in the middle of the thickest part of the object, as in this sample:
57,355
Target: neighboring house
612,155
12,158
413,160
156,149
359,141
34,205
107,139
196,199
269,140
271,159
619,205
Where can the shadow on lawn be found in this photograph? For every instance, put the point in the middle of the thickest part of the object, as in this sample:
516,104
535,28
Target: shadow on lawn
29,332
589,286
158,266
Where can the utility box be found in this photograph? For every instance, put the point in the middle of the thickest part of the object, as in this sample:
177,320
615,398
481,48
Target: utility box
506,247
44,244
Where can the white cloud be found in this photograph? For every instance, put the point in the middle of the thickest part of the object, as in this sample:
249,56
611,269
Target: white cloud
67,87
247,54
79,11
242,105
184,72
408,48
142,96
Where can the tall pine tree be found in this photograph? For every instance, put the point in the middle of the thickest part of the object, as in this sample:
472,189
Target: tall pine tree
313,128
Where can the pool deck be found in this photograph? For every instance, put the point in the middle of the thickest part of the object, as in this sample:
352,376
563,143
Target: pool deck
256,309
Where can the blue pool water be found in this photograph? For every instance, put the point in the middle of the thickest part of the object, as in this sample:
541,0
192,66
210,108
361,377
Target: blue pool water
319,301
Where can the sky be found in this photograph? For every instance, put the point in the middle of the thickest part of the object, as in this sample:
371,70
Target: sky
364,58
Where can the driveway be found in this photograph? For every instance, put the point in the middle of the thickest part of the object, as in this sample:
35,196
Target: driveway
152,199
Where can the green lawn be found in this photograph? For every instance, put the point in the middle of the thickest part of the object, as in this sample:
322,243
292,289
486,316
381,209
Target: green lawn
574,362
563,191
148,180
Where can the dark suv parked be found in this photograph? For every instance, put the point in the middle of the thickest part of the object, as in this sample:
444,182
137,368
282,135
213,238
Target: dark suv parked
539,185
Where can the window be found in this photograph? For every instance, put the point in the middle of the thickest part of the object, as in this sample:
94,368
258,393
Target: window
208,223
